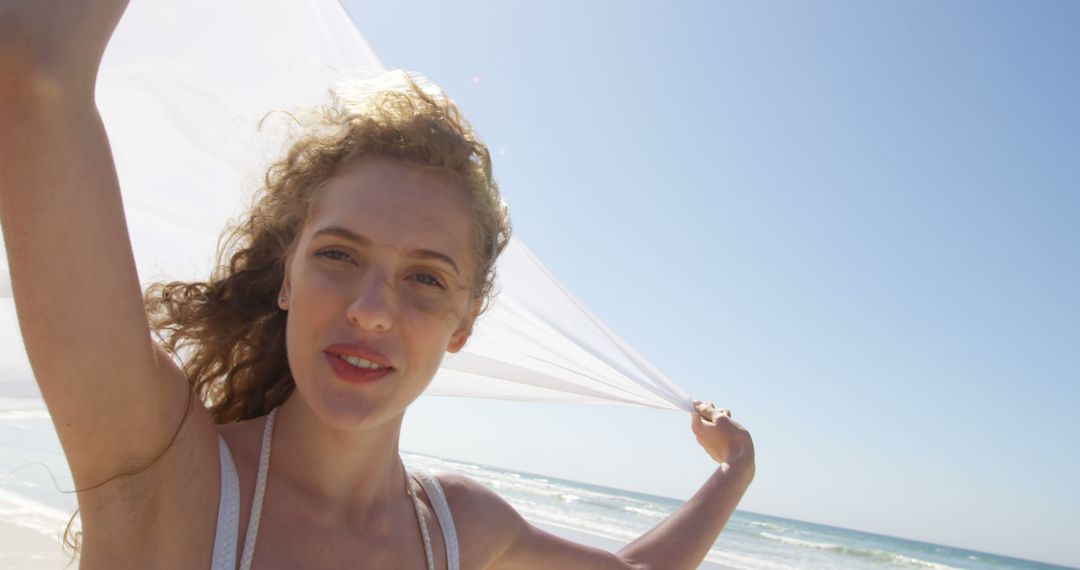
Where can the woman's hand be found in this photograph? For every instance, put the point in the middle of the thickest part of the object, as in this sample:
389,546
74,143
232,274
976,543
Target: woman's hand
725,439
63,38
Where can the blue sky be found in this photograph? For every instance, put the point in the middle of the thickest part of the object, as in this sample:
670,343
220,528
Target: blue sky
854,223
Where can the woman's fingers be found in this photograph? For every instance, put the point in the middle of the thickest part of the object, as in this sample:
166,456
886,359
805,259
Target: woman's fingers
709,411
721,436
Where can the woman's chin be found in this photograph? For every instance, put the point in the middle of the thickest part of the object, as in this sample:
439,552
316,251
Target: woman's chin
351,412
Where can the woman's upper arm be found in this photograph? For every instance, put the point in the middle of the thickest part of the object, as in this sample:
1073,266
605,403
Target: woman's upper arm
533,547
115,398
496,537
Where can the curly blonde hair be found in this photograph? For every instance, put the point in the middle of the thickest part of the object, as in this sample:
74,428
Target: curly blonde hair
228,332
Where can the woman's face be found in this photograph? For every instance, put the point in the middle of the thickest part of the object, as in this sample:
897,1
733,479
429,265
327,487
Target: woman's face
378,289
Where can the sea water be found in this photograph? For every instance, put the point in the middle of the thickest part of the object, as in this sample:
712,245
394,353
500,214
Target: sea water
749,540
33,475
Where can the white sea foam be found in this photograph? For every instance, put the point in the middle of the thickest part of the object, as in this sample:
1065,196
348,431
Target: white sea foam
803,543
513,482
607,527
645,512
744,561
868,553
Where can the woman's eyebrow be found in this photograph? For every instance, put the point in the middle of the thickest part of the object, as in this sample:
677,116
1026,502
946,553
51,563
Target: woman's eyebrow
349,235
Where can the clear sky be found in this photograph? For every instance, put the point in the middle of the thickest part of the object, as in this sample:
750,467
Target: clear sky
854,223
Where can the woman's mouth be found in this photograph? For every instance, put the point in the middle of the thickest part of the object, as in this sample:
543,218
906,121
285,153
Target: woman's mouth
356,370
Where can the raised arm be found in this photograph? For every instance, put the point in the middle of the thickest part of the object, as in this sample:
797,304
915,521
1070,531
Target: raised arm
115,398
680,542
684,539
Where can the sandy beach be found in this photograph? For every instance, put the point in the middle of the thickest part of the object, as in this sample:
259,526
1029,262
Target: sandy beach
22,548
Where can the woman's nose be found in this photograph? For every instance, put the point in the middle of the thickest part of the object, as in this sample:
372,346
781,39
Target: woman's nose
373,307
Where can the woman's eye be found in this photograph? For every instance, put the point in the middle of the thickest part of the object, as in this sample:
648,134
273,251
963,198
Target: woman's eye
428,279
335,254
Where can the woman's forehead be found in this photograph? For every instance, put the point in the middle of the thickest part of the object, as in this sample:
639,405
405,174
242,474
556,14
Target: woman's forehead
394,203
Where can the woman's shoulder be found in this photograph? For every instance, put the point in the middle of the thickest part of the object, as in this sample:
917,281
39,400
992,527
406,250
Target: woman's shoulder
470,498
486,523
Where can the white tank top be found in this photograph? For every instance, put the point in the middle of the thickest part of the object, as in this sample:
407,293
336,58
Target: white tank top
228,523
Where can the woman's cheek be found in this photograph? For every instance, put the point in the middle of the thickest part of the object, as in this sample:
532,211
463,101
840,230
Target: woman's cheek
329,288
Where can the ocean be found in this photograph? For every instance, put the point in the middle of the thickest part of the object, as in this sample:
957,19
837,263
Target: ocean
33,471
750,541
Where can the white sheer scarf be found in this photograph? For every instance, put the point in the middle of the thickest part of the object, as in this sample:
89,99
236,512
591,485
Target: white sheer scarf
182,88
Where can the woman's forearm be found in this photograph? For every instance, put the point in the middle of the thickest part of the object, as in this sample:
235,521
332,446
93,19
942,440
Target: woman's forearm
682,540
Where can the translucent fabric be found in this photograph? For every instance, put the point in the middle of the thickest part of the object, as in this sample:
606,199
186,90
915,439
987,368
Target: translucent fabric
182,89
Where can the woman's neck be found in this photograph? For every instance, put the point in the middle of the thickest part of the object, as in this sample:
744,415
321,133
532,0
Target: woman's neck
353,475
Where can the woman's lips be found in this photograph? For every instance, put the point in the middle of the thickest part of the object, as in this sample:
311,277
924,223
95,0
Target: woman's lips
353,374
359,350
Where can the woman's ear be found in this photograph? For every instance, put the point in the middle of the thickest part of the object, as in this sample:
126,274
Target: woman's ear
283,298
286,288
464,331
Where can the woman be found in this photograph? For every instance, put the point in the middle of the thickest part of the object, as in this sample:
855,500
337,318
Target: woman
368,255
